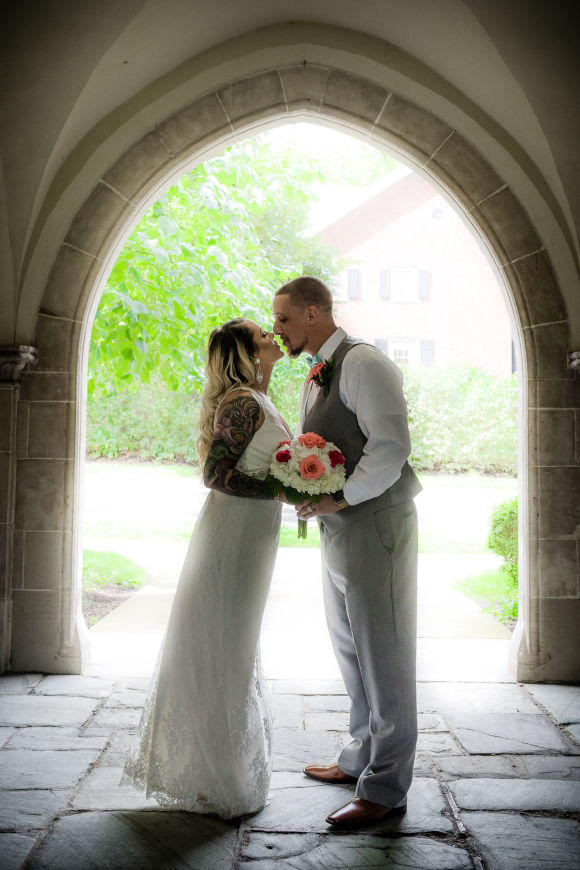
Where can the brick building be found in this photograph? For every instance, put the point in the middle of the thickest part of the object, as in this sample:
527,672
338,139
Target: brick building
419,286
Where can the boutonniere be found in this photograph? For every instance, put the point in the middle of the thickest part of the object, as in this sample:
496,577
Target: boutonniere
321,374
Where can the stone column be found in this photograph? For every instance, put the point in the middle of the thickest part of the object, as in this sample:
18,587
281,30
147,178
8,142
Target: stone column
48,631
13,361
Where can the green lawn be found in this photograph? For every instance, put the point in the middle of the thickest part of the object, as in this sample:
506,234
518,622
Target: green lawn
105,567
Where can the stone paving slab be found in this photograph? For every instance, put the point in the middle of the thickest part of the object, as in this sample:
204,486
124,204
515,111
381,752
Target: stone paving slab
437,744
116,717
431,722
126,698
117,750
43,710
327,718
423,765
318,719
288,711
551,766
5,734
294,748
574,731
308,687
350,852
139,684
492,766
562,702
89,687
546,795
474,698
18,684
510,841
304,806
507,733
135,841
31,808
29,768
327,703
101,790
13,850
48,737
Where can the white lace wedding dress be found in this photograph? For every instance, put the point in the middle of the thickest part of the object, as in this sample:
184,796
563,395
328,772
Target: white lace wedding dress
204,741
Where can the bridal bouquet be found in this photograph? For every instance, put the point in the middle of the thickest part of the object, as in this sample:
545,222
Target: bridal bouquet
306,466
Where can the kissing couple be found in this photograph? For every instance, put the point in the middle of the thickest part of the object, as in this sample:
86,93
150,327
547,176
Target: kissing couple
204,742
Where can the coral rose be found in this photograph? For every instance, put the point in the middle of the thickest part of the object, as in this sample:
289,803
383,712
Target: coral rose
283,456
311,439
315,371
282,443
311,468
336,458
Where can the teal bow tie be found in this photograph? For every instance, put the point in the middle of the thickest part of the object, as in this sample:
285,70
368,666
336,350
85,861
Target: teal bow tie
313,360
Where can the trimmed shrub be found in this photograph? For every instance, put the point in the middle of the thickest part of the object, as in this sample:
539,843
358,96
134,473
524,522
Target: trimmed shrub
147,422
503,537
462,419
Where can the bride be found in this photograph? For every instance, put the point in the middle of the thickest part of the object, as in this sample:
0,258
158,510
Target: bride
204,740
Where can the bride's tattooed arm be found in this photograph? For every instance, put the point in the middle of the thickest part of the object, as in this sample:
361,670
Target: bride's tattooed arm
236,422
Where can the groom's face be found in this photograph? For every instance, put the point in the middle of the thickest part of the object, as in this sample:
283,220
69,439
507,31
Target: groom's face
292,325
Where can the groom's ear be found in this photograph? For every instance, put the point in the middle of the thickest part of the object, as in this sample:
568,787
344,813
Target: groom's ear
312,313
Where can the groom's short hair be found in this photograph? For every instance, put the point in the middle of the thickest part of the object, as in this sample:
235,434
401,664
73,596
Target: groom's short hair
307,291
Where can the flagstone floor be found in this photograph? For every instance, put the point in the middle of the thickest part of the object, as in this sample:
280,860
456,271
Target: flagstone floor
497,783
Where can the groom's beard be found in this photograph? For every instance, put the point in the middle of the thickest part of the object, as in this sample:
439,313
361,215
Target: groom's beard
294,352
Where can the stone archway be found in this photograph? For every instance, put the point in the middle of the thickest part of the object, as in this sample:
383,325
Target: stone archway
46,597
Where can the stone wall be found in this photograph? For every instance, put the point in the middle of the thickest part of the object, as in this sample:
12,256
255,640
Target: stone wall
48,633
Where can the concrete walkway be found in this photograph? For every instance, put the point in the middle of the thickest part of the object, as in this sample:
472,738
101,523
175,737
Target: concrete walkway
456,641
497,784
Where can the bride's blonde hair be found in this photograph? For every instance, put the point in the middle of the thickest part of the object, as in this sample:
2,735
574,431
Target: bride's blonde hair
230,363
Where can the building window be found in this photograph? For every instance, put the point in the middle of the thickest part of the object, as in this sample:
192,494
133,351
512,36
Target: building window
404,285
353,283
427,352
385,283
404,351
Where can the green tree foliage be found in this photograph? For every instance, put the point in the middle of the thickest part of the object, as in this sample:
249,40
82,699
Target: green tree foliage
214,246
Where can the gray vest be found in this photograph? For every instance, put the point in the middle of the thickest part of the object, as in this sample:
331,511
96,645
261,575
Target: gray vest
330,418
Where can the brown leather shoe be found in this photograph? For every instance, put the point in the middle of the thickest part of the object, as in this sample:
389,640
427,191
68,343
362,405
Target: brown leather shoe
360,813
330,773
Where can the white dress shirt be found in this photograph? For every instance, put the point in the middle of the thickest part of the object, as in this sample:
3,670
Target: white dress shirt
371,387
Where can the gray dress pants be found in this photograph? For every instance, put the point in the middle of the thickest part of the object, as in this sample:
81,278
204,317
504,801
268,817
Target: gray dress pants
369,571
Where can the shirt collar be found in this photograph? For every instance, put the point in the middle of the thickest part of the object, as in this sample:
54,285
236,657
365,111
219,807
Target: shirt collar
332,343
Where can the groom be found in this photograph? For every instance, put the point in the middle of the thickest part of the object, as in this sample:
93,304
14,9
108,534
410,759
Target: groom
369,550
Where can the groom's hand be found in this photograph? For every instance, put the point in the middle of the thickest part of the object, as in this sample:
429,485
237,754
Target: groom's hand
307,509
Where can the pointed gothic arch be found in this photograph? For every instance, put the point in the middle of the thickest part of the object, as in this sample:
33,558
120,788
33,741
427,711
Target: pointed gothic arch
49,483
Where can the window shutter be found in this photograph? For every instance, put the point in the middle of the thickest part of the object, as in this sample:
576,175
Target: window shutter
353,283
424,280
382,344
385,284
427,351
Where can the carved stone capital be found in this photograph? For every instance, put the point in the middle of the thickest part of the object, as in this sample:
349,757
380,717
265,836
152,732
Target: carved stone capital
574,361
14,360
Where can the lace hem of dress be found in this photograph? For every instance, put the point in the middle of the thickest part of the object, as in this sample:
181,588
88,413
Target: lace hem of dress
196,803
156,770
